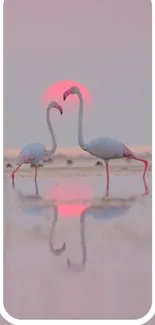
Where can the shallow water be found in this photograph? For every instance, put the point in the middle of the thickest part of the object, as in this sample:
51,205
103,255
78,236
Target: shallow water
70,252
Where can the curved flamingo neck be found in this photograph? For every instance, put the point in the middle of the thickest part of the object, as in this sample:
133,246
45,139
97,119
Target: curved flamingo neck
54,144
80,119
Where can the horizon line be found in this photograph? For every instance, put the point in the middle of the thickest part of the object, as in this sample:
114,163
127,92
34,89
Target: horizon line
77,150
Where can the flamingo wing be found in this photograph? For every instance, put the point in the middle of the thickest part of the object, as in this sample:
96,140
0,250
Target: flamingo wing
106,148
31,153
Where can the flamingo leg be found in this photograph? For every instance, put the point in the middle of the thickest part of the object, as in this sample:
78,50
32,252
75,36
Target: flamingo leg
132,156
145,164
146,187
129,154
35,175
13,173
144,173
36,188
107,173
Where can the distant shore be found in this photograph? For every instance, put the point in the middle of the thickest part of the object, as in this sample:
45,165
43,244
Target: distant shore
76,152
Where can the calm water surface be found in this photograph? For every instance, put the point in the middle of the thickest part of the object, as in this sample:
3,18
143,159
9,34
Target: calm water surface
69,252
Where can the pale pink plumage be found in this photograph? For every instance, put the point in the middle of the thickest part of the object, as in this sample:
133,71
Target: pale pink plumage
103,148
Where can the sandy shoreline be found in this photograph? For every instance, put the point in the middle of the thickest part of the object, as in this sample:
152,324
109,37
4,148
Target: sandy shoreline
67,171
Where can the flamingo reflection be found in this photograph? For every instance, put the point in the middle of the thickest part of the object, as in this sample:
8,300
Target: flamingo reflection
102,212
105,210
56,251
32,198
102,209
75,266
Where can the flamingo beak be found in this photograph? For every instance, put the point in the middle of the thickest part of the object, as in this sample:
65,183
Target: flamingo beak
64,97
60,109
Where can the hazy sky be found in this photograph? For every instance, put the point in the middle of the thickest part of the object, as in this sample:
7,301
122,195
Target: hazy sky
104,44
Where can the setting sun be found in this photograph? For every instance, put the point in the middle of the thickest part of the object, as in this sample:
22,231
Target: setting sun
56,90
77,193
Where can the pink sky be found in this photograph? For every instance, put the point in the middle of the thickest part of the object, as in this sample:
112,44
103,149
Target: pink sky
103,44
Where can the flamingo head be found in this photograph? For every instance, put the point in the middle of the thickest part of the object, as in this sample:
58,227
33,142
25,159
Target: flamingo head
72,90
56,105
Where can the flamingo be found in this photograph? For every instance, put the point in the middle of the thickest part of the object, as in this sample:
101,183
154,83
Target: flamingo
34,152
104,148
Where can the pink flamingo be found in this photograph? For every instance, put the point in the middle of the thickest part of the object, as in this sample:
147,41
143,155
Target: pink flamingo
34,152
103,148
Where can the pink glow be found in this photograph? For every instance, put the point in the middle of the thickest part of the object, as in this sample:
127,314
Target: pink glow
70,191
55,92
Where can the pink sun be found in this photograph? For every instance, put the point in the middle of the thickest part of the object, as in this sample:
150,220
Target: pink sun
55,92
78,194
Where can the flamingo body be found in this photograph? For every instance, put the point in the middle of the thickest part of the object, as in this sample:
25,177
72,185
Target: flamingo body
31,153
108,212
107,149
